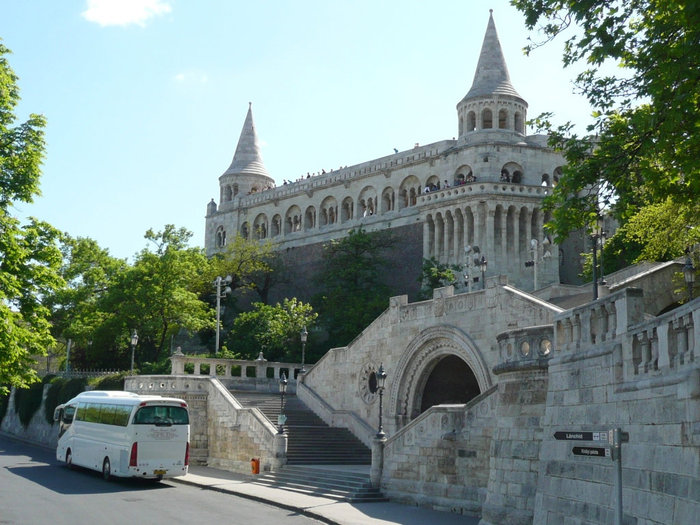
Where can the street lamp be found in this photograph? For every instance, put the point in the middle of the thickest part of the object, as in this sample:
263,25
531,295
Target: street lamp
482,264
381,378
599,233
304,334
283,390
220,295
134,342
689,276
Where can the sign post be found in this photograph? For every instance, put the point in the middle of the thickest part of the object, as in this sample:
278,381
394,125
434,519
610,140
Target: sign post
612,441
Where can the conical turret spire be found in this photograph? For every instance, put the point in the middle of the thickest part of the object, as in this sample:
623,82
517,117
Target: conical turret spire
491,77
247,160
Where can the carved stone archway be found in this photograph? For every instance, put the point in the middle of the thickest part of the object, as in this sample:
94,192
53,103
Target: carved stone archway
421,357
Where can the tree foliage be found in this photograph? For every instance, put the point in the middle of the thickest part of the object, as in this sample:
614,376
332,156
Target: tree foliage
435,274
272,329
29,255
355,292
640,156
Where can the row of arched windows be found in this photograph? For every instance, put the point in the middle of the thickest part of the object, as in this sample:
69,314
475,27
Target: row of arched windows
368,203
486,119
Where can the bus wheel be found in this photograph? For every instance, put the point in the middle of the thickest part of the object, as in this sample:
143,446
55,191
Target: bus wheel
69,459
106,470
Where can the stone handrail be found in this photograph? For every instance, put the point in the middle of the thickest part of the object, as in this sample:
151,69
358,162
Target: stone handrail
666,343
336,418
598,322
225,368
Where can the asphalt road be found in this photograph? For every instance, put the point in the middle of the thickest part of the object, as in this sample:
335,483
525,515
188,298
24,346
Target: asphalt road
36,489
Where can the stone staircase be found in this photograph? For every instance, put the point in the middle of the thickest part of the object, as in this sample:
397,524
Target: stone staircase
310,441
343,483
321,460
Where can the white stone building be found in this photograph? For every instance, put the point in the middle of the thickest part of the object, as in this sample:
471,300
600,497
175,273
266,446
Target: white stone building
481,190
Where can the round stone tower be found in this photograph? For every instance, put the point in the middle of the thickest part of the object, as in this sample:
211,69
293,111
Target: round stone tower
492,104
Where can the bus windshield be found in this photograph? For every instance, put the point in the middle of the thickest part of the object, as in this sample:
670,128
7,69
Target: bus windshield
161,415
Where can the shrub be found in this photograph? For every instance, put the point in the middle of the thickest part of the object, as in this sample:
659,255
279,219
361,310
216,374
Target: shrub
28,401
111,382
4,401
60,391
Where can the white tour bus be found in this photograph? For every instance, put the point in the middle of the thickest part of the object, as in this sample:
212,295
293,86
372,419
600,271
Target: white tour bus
124,434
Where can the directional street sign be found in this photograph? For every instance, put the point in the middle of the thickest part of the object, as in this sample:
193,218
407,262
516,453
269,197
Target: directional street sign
568,435
599,452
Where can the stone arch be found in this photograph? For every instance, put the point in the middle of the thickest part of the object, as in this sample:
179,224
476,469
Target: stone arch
260,226
557,175
292,219
388,200
245,230
486,118
276,226
463,174
519,124
502,119
471,121
310,218
512,172
220,237
329,211
367,202
347,210
408,192
433,183
419,360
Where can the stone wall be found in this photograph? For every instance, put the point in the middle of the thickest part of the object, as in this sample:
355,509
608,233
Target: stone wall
38,430
233,434
441,459
604,375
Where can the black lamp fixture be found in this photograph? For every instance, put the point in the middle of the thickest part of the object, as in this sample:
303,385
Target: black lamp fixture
134,342
283,390
381,379
482,264
304,334
689,276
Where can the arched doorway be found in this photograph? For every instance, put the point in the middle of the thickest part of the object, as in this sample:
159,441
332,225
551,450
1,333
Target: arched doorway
442,364
450,382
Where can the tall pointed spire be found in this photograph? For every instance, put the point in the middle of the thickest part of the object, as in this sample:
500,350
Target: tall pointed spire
491,76
247,160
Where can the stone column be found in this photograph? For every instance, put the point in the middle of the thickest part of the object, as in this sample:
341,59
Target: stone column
280,448
375,471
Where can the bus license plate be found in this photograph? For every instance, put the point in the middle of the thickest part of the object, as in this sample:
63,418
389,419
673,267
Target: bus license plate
159,472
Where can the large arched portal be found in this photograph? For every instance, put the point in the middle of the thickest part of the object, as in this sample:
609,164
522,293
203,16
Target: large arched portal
450,382
441,365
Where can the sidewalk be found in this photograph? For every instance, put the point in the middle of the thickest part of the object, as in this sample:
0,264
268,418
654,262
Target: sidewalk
324,509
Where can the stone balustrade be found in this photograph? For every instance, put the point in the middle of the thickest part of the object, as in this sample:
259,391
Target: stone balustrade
659,345
598,322
667,343
235,370
524,348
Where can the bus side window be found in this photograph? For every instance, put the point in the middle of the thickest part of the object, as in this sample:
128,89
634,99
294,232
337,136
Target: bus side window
68,413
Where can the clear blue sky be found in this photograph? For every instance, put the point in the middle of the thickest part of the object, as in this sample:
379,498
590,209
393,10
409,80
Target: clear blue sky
145,99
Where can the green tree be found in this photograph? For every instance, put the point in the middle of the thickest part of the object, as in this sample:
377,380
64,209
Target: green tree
77,310
354,291
640,156
436,274
159,295
273,329
29,255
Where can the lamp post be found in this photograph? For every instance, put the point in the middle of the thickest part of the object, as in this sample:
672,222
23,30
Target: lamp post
598,233
220,295
283,390
304,334
381,378
134,342
689,276
482,264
